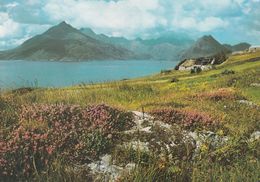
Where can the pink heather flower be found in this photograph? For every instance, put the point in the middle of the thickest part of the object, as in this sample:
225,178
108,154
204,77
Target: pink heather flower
49,150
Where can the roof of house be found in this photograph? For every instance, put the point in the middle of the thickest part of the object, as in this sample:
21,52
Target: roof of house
255,46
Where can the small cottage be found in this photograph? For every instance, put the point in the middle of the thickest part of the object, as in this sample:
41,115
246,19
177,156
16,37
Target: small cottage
254,48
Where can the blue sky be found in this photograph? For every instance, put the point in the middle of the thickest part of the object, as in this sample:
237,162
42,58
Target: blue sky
229,21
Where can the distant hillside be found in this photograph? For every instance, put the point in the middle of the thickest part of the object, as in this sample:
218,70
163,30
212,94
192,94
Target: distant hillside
203,47
104,38
168,46
63,42
238,47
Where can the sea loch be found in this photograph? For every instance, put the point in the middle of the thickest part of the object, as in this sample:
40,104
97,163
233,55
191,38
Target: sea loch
15,74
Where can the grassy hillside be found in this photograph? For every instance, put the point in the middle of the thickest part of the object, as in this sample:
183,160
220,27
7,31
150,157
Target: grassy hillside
229,95
158,89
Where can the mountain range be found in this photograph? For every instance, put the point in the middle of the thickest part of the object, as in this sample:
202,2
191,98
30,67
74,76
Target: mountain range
66,43
168,46
238,47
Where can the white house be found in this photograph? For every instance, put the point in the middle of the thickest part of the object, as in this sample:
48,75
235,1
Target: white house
254,48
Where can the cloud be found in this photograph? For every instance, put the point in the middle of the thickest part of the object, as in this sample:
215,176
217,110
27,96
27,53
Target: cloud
13,33
8,27
27,12
205,25
127,16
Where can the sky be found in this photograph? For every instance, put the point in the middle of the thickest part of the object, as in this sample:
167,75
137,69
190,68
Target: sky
229,21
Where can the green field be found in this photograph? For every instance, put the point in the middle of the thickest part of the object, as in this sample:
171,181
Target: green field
229,94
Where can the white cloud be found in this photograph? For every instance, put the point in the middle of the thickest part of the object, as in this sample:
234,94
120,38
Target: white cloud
205,25
128,16
11,5
11,43
7,26
13,34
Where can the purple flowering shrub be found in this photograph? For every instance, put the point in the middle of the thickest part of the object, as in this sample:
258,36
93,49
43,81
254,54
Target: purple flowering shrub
188,119
26,150
73,133
93,117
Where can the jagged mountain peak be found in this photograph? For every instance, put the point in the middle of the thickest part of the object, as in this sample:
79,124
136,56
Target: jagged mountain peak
205,46
208,39
61,29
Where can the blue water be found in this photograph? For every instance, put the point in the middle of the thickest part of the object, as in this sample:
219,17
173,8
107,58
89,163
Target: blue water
14,74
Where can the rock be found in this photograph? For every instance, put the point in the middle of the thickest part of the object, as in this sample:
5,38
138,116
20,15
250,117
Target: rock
255,136
138,145
249,103
255,85
110,171
140,120
206,136
146,130
162,124
130,166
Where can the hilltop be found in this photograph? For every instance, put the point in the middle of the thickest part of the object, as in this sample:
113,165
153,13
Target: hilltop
205,46
238,47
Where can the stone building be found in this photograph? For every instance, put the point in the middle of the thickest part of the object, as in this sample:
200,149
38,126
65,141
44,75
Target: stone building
254,48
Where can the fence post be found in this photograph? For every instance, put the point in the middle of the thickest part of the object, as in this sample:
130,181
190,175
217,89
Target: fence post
143,111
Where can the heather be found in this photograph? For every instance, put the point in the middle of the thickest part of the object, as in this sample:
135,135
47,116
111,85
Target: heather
188,119
44,132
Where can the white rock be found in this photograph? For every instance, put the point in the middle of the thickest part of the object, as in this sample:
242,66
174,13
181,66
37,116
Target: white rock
147,129
249,103
138,145
255,136
142,115
255,85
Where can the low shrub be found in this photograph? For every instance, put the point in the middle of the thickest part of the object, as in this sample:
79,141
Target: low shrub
93,117
173,80
9,112
109,119
188,119
77,135
122,155
220,94
228,72
166,71
23,90
26,151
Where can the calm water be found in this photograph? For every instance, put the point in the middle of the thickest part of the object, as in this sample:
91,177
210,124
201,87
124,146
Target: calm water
14,74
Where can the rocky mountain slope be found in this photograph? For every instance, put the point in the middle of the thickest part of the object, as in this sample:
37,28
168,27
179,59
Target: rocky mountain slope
238,47
205,46
167,46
